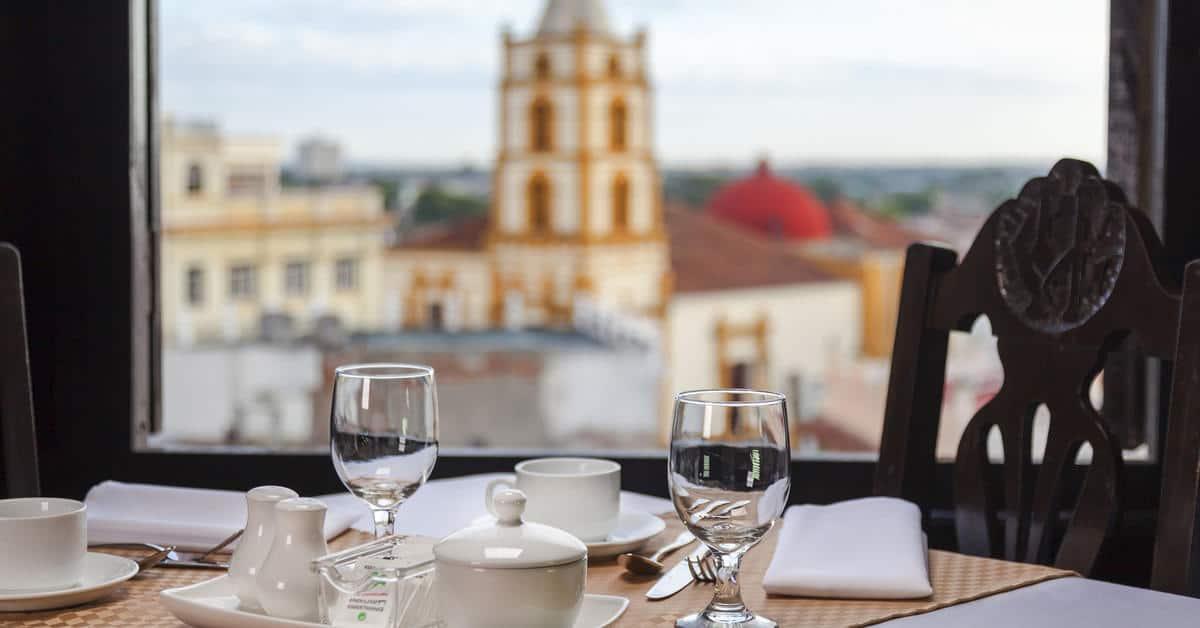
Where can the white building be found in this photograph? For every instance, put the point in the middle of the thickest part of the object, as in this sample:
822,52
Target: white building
319,159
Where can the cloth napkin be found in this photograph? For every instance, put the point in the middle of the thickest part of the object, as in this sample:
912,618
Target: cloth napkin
192,519
871,548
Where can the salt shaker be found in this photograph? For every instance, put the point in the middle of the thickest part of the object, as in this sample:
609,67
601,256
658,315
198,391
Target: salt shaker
287,585
252,548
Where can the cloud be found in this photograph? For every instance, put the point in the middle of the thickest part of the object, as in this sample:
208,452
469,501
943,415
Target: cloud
852,79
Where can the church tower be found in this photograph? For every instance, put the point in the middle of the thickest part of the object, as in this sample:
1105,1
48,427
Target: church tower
576,205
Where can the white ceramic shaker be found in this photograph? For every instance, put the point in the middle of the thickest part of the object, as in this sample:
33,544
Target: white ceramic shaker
287,586
252,548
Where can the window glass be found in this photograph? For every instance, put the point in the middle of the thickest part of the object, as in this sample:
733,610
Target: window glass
346,275
195,286
195,179
616,121
542,119
572,219
242,282
296,278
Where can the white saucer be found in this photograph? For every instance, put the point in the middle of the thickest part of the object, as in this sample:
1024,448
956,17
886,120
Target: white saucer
101,574
634,529
212,604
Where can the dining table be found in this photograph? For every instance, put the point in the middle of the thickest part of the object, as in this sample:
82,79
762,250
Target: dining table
1054,599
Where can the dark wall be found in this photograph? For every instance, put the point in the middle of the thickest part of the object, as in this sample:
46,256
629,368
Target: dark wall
65,176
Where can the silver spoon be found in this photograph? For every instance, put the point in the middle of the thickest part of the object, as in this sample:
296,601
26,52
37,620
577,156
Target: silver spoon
152,560
649,565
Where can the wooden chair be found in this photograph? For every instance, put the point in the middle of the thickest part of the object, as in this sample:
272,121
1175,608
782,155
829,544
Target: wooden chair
1064,273
16,399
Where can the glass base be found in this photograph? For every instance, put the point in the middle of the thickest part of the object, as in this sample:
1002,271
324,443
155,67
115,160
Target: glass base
715,620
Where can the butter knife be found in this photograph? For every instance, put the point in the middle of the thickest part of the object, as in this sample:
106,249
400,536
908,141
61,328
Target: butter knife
676,579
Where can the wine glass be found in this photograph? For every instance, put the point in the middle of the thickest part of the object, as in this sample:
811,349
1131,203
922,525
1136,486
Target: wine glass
729,481
383,434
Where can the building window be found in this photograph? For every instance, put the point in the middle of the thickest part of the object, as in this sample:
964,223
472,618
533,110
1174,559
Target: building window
346,274
247,183
541,121
616,125
539,204
243,282
295,278
620,203
195,179
541,67
614,66
195,285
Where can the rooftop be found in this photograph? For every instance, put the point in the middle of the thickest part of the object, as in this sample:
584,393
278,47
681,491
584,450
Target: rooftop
561,17
459,235
709,255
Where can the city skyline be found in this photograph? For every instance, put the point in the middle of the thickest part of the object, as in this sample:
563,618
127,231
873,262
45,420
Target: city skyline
866,82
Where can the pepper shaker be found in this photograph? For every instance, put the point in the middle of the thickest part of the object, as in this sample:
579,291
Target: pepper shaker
256,541
287,585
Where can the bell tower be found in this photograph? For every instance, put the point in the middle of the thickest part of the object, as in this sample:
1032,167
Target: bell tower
576,203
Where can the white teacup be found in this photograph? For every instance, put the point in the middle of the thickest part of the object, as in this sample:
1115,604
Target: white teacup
579,495
43,541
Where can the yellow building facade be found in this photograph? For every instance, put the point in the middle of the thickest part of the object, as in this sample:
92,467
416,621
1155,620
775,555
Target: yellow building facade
576,205
238,247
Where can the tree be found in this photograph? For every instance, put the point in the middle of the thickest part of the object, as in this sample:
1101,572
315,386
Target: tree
692,190
826,189
435,204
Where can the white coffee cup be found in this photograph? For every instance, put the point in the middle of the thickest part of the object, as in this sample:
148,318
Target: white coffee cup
43,541
579,495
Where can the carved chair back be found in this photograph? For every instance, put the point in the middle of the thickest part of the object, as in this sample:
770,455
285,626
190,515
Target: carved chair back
1064,273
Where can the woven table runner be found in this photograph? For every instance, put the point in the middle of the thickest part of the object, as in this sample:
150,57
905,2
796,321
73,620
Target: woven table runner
956,579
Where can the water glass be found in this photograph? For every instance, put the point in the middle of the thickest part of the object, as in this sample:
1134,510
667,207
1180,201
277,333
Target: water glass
383,434
729,481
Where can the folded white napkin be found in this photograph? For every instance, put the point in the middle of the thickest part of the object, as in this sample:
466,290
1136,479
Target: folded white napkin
189,518
871,548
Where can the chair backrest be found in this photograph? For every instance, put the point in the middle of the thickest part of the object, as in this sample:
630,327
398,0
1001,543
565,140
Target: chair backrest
16,399
1064,272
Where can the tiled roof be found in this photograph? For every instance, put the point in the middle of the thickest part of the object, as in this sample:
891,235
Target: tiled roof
467,234
874,231
708,255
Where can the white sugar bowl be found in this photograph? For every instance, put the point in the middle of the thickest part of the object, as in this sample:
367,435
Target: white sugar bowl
510,573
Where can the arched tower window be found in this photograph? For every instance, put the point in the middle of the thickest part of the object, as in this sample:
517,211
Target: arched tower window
539,203
541,67
614,66
620,204
195,179
541,123
617,122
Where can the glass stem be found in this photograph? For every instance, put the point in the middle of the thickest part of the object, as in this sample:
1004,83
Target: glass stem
385,521
727,605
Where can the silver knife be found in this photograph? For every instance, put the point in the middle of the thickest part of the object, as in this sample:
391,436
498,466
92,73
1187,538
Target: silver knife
676,579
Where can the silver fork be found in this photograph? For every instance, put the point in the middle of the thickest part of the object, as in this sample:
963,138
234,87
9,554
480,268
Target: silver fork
703,567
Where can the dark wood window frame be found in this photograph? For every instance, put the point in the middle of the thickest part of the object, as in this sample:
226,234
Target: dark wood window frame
81,184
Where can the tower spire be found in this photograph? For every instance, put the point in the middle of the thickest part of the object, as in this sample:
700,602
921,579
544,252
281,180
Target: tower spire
562,17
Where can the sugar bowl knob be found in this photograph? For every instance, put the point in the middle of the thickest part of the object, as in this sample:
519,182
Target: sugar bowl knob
508,505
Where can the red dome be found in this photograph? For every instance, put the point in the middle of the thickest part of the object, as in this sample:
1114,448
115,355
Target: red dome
772,206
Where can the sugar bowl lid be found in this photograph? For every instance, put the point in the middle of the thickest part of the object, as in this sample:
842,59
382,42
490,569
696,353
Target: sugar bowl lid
510,543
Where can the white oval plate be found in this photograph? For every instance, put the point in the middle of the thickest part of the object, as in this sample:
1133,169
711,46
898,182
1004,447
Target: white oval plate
212,604
101,574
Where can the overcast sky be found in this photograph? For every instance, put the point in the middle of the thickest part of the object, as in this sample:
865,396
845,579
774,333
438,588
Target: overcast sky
804,81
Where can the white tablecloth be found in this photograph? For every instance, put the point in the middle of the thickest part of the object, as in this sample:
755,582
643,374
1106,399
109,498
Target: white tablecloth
1064,603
